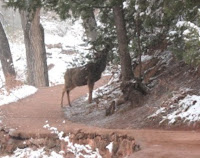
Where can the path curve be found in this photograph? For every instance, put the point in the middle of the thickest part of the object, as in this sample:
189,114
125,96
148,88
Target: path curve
29,115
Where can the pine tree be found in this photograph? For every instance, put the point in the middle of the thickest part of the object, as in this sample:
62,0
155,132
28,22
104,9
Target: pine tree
77,9
126,67
184,35
85,9
151,25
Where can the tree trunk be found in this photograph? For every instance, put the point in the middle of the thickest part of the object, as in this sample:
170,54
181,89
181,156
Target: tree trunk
90,25
30,60
125,59
139,48
6,57
37,71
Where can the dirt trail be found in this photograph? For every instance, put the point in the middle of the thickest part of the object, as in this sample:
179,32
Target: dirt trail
28,116
167,144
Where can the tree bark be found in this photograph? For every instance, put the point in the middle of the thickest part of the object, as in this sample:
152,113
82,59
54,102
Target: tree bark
6,57
90,25
125,59
37,71
139,48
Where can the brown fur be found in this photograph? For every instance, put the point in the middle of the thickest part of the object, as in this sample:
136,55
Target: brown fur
85,75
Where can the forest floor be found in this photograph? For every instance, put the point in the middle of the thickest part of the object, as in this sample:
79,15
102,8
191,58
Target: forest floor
29,115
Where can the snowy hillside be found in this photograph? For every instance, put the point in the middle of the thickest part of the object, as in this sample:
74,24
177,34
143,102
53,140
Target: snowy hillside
64,45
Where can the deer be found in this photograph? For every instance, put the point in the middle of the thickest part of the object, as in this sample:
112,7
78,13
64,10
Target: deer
85,75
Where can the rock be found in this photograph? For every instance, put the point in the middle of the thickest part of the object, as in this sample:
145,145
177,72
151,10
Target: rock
13,133
50,143
9,148
38,142
1,127
122,144
115,147
111,109
80,135
6,129
136,147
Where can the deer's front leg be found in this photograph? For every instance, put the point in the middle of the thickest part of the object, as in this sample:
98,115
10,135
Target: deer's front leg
68,97
90,86
63,93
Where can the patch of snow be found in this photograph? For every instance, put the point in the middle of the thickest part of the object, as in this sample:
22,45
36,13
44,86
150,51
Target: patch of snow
66,32
180,23
188,110
105,90
59,67
159,111
146,58
125,4
46,126
15,94
190,27
136,7
171,33
30,153
186,32
110,147
69,36
148,11
78,150
188,24
142,13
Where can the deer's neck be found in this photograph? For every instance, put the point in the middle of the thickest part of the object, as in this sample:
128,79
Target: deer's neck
101,63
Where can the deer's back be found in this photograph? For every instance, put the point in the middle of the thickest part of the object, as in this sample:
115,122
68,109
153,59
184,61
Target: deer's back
80,76
76,77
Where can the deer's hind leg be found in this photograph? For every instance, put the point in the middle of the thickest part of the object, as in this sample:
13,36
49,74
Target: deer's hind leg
90,86
68,97
63,93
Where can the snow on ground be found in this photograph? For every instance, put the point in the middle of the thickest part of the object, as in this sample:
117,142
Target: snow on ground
104,95
159,111
69,50
65,48
19,59
187,110
84,151
78,150
113,84
145,58
110,147
15,94
30,153
67,35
